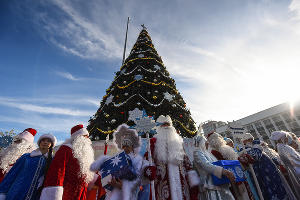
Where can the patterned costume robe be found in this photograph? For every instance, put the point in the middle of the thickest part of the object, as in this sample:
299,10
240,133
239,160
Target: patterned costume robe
171,180
24,178
63,181
270,179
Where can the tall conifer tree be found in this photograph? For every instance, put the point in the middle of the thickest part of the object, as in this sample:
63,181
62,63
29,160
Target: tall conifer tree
143,82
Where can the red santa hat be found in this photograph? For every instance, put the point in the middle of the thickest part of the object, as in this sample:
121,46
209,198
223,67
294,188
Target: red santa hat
78,130
28,135
49,136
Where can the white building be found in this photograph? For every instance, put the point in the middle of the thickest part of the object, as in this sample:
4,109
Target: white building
261,124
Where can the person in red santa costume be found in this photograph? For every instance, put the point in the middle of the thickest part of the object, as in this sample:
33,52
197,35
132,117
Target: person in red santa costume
172,164
69,172
23,143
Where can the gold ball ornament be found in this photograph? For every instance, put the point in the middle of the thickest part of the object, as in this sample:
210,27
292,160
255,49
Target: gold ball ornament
107,115
154,97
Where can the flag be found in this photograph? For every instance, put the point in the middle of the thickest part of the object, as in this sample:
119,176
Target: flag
119,166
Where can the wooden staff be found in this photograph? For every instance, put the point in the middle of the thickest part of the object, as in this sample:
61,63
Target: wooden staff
151,163
256,182
106,144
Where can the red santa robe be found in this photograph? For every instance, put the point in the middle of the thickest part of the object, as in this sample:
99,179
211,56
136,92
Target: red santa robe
63,181
171,178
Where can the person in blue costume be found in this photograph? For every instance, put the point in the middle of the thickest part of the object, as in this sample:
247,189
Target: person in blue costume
25,178
271,181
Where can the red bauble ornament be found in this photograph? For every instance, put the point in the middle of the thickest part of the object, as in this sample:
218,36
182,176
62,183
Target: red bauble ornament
180,116
122,113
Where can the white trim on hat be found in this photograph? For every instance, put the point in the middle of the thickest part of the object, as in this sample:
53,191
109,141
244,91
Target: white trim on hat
247,136
26,136
81,131
50,136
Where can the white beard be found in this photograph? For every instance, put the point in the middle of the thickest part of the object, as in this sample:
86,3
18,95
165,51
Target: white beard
84,153
168,146
219,144
13,152
228,153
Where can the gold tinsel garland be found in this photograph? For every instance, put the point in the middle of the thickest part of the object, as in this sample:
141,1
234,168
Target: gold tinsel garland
185,128
106,132
125,86
142,59
150,83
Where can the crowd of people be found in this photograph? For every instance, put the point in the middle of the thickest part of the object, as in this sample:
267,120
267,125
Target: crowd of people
164,172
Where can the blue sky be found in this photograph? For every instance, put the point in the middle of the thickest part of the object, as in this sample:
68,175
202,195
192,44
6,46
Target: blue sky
229,58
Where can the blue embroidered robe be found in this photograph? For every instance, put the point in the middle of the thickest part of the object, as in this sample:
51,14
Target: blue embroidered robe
268,176
22,181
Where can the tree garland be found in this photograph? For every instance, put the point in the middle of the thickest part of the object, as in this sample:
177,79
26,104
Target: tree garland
141,59
185,128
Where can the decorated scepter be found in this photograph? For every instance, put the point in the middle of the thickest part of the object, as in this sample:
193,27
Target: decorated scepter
144,124
151,163
106,144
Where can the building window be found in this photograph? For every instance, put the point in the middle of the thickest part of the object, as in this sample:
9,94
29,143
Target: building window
287,117
291,121
269,125
251,130
260,129
279,123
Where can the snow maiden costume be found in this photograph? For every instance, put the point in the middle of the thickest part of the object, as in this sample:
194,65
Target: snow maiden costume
69,172
23,143
290,158
129,189
204,167
26,176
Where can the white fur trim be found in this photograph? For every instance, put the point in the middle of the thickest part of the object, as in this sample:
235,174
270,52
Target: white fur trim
97,163
175,182
50,136
81,131
68,145
92,183
52,193
218,171
26,136
247,136
2,196
37,152
163,119
193,178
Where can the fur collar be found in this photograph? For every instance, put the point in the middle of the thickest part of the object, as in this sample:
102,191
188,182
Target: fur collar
37,152
68,143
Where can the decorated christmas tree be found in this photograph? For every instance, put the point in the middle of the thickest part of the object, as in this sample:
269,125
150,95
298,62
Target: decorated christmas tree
143,83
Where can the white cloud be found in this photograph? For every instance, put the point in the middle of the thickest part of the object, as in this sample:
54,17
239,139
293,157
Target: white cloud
44,109
74,33
230,64
295,7
67,75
